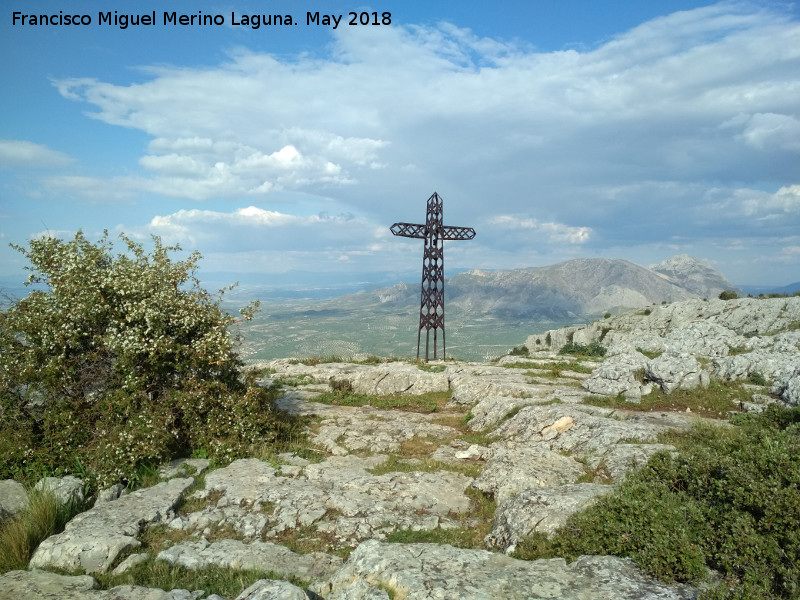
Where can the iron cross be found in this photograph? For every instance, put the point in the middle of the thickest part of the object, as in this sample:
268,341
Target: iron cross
434,232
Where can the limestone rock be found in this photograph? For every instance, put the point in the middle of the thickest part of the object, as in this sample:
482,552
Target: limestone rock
621,459
110,494
787,386
65,489
377,380
704,338
376,430
94,539
43,585
130,562
771,365
618,374
338,496
184,467
13,498
491,410
541,510
268,589
256,555
676,371
442,572
592,432
741,317
511,471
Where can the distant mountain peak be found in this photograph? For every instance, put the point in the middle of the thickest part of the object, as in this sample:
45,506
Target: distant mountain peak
694,274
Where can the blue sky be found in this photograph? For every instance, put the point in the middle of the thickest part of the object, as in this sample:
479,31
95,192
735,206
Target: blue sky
557,129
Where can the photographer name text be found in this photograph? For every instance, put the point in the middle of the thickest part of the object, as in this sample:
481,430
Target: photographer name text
199,19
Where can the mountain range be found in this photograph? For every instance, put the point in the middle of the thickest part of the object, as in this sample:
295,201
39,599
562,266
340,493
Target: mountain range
487,312
575,288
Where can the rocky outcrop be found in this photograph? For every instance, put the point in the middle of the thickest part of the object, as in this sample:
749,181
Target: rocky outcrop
416,571
43,585
93,540
673,371
620,375
377,380
688,343
257,555
660,325
787,385
540,510
338,496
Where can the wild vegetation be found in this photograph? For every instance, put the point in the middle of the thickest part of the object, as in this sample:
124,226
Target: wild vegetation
117,361
730,501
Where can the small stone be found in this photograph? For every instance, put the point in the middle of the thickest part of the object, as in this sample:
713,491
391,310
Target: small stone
130,562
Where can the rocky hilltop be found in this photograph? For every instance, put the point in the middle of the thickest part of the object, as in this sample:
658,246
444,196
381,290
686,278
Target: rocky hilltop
507,449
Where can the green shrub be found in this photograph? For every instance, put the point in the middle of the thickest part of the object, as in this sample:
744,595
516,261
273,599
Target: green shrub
728,295
730,501
118,361
593,349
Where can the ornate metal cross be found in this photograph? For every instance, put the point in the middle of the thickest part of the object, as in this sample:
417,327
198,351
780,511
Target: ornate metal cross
434,232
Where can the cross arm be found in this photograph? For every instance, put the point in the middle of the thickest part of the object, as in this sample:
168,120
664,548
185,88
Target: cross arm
451,232
411,230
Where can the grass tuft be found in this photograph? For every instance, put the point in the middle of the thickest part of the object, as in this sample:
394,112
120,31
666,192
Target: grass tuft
715,401
21,535
226,582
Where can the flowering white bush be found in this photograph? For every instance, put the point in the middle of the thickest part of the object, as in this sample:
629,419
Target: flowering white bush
124,359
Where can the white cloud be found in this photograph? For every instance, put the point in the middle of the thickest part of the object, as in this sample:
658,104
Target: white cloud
770,130
21,153
555,232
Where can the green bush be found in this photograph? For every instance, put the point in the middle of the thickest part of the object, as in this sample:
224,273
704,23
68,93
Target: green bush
119,361
593,349
728,295
730,502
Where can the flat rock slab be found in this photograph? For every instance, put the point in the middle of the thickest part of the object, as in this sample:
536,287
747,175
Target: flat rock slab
94,539
437,572
510,471
43,585
593,430
257,555
541,510
367,429
384,379
338,496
